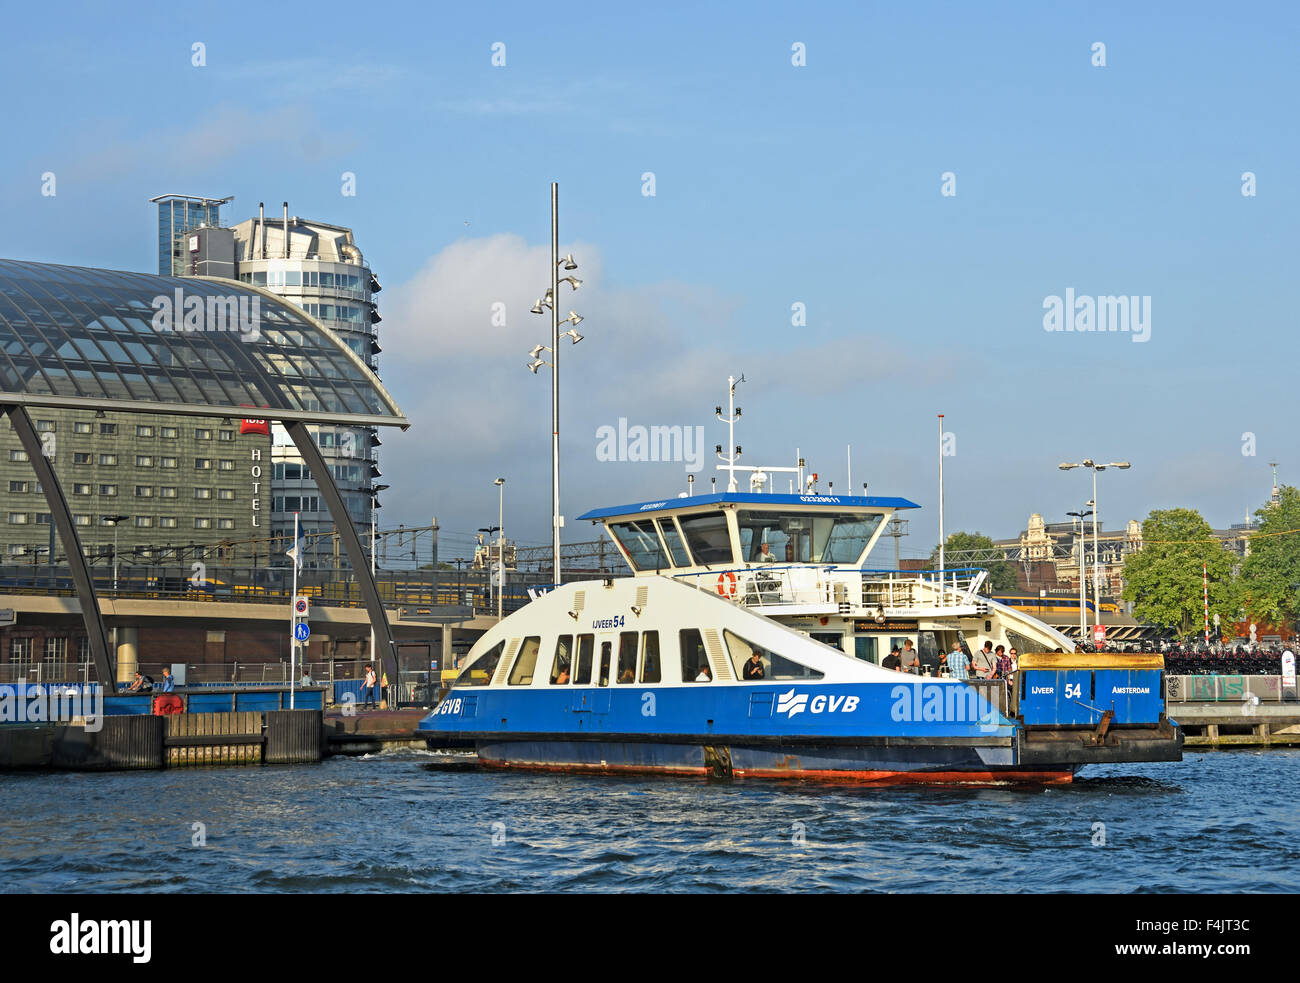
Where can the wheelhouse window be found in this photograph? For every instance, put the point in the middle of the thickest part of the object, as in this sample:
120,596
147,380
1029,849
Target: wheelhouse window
650,666
627,643
641,543
707,537
676,548
525,662
562,664
695,658
805,537
586,650
767,665
606,650
479,672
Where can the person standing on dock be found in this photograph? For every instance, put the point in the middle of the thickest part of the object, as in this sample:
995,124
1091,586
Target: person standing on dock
168,684
368,688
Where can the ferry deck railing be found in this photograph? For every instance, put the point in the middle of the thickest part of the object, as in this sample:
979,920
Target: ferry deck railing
841,589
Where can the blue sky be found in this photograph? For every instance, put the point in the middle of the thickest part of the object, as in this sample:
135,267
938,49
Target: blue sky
775,185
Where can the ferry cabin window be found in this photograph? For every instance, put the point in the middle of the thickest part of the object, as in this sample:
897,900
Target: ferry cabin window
642,544
479,672
650,671
586,646
695,658
707,537
864,648
526,662
805,537
562,664
774,666
832,638
675,545
627,657
605,649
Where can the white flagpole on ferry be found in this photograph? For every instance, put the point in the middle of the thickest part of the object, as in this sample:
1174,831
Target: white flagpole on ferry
293,615
941,507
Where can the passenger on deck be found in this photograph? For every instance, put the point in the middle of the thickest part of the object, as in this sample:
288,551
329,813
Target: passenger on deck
168,684
705,676
908,658
892,661
1004,662
984,663
957,663
765,554
563,677
754,667
627,676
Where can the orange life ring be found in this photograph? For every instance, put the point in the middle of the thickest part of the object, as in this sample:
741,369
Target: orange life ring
727,583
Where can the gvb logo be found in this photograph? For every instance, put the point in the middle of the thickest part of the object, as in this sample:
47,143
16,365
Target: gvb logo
792,703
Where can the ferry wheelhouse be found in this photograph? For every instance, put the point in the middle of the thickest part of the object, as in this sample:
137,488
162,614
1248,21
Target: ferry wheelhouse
747,643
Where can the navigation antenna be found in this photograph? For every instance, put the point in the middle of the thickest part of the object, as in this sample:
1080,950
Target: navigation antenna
898,529
733,414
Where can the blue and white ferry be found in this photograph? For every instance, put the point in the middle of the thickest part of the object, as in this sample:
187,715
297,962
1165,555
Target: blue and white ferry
746,645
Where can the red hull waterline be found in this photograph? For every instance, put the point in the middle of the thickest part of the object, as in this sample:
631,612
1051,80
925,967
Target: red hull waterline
864,777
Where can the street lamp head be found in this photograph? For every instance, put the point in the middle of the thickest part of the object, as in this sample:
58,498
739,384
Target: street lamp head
1122,465
575,317
574,335
536,308
1066,467
499,481
534,365
572,281
1088,462
536,351
568,262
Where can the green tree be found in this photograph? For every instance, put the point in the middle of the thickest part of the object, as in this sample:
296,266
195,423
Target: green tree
1164,580
1271,573
1002,573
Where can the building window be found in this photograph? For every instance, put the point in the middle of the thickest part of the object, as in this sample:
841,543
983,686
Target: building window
202,523
166,492
144,491
107,429
143,461
225,465
81,520
167,522
17,518
226,494
143,431
45,426
203,464
109,490
225,523
144,521
17,487
166,462
108,460
225,435
18,456
80,458
169,433
20,651
202,434
202,492
42,518
82,489
81,426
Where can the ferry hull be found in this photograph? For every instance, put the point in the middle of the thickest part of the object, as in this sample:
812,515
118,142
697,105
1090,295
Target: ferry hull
851,764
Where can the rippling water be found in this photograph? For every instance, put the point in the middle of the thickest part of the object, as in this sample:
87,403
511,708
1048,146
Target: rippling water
1223,821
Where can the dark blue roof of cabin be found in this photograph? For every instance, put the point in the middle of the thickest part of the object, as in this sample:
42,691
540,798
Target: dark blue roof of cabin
751,498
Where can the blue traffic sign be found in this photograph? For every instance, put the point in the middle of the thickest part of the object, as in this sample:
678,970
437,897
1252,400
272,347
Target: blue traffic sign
301,632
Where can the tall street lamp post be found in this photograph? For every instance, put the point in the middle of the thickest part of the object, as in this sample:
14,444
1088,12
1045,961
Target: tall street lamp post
113,520
551,302
501,544
1083,582
1092,465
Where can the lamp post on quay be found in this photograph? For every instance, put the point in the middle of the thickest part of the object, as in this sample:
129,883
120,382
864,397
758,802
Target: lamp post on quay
1092,465
551,302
